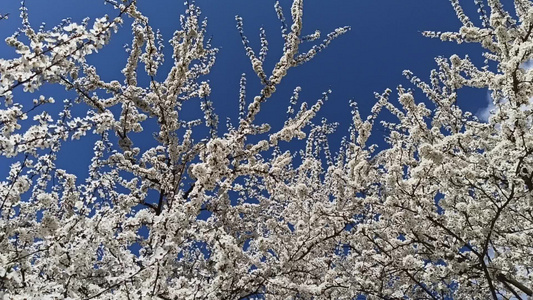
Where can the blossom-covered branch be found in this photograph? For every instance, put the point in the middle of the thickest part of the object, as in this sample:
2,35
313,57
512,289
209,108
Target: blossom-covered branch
445,211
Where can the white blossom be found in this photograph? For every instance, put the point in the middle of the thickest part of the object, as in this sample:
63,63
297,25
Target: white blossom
443,212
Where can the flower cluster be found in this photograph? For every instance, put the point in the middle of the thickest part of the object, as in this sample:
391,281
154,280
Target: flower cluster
443,212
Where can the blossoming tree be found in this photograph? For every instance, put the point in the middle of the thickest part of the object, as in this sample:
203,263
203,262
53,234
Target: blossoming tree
446,211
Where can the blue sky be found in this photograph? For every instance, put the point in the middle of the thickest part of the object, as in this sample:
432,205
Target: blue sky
385,40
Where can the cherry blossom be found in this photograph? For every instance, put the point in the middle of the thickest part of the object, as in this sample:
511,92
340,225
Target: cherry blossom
445,211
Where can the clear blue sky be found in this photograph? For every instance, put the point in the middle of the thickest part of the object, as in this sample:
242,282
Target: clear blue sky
385,40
